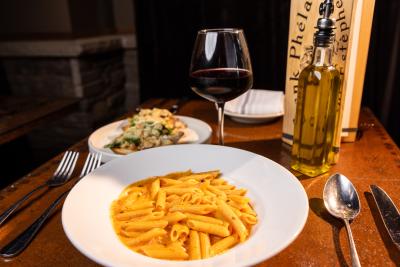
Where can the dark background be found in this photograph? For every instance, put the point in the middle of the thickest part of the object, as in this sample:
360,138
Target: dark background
166,31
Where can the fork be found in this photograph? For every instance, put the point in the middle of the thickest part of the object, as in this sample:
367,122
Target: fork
60,177
17,245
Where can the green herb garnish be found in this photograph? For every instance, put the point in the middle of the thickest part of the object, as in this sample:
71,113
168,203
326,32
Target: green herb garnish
132,140
113,145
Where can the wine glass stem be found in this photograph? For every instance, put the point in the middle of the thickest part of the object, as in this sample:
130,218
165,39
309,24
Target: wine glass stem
221,106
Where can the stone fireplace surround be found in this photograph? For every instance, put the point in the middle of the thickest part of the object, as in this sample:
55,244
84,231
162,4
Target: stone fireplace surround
101,71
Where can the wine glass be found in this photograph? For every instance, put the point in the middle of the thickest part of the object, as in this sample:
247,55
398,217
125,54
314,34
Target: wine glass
220,69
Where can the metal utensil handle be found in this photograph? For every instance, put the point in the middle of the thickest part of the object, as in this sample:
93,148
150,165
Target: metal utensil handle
355,261
18,244
175,107
15,206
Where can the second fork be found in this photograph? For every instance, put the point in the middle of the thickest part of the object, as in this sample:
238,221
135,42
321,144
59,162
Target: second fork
59,177
20,242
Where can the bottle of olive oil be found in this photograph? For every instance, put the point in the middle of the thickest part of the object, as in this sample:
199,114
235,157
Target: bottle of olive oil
317,108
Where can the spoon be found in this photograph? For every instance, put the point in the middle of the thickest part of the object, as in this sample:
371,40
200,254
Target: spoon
341,200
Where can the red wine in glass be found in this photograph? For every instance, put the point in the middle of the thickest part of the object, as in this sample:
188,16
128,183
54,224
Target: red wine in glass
220,69
221,84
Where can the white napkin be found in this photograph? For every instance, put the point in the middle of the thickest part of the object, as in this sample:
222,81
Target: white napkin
257,102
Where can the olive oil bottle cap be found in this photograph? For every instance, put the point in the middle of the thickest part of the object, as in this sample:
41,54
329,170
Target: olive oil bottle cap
324,36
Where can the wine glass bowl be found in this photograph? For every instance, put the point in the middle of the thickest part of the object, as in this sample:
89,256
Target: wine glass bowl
220,68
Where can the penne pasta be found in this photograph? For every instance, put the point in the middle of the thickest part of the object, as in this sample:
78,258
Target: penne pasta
249,209
161,198
165,253
214,239
217,192
218,181
209,193
177,175
156,215
133,189
235,204
232,218
194,245
187,183
130,234
201,176
182,216
155,187
235,210
209,228
155,232
180,191
204,218
125,216
204,245
239,199
224,187
174,217
169,182
239,192
186,197
197,209
145,225
168,205
179,232
141,205
198,199
248,218
141,183
171,198
207,200
222,245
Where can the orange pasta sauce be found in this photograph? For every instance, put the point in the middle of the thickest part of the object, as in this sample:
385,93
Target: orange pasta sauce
182,216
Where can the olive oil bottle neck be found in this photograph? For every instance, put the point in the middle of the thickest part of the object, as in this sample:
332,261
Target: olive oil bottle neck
322,56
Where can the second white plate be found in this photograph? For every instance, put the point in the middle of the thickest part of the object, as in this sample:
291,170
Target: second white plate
198,132
251,118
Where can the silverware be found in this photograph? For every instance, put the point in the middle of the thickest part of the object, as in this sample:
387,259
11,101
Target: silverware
60,177
17,245
342,201
175,107
389,213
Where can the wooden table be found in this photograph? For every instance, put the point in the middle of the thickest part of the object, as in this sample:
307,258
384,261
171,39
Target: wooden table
373,159
19,115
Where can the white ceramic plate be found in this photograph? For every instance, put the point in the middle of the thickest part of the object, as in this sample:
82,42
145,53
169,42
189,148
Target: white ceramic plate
198,132
277,196
268,104
249,118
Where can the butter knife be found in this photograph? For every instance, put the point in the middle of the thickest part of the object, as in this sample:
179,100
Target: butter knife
389,213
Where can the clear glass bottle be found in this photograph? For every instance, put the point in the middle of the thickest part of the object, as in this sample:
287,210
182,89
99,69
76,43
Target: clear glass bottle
317,109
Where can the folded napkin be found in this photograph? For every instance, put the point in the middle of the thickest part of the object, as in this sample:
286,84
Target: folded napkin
257,102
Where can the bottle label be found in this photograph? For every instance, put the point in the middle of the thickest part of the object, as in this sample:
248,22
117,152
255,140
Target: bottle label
303,18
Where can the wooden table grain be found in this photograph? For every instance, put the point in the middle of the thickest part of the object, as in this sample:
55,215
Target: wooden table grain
372,159
20,115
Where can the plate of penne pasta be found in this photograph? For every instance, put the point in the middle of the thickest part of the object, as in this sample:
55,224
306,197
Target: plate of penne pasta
186,205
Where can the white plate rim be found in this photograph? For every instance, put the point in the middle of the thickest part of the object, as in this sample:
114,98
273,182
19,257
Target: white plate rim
254,116
254,260
108,155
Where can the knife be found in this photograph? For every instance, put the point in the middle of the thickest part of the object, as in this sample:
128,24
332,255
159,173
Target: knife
389,213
